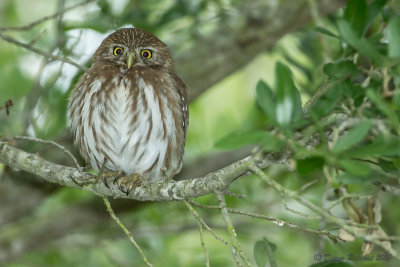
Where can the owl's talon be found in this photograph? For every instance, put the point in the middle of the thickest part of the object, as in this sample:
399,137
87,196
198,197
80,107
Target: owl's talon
121,188
108,175
105,182
127,183
117,176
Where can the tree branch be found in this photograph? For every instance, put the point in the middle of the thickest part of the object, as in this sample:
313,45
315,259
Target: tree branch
236,247
202,222
171,190
55,15
254,27
41,52
218,180
278,222
126,231
366,236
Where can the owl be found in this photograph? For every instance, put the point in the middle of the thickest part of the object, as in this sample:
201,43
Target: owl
129,110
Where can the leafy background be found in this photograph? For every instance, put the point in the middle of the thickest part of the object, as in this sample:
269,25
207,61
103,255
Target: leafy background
344,65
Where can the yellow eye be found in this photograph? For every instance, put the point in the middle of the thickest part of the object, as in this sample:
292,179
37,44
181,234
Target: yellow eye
118,51
146,53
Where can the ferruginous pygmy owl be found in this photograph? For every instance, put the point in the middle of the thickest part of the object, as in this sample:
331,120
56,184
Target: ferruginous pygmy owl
129,111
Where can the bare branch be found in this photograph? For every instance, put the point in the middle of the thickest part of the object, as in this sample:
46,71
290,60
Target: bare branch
203,245
171,190
55,15
326,214
126,231
236,44
47,142
307,216
41,52
197,216
236,247
200,223
278,222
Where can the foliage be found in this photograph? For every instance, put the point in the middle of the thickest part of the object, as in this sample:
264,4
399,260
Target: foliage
329,94
361,85
355,110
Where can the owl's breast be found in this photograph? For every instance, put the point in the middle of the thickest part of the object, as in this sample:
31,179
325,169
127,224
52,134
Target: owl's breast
131,121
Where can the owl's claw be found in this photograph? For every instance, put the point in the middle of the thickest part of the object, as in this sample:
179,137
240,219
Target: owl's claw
105,182
109,175
127,183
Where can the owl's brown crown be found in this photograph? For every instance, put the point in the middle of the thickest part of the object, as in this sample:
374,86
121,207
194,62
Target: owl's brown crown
133,41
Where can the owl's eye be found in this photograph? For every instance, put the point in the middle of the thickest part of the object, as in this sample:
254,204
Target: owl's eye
118,51
146,53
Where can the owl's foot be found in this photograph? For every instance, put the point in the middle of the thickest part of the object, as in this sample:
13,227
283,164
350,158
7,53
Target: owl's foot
128,182
109,175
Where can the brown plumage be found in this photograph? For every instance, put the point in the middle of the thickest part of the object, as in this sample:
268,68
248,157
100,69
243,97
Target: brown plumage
129,111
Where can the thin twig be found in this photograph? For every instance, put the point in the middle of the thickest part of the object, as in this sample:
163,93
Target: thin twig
47,142
307,185
35,92
197,216
41,52
313,217
200,223
203,244
339,200
40,35
271,219
37,89
126,231
325,213
236,247
34,23
389,238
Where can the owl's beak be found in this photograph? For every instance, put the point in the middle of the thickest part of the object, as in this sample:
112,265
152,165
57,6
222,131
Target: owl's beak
130,59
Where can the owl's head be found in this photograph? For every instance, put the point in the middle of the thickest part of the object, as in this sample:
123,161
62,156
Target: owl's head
128,47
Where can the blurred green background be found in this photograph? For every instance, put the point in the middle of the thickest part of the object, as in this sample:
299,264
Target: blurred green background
223,48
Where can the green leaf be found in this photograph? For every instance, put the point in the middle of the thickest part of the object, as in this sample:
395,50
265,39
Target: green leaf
381,146
355,14
288,102
355,167
393,28
396,99
335,263
266,99
373,10
239,139
326,102
263,252
308,165
388,166
347,178
326,32
383,106
352,137
340,69
362,45
351,90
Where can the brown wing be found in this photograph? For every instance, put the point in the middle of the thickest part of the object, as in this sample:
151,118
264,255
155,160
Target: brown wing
182,90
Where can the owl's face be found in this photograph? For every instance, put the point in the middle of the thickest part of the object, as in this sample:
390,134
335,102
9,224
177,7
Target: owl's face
131,47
